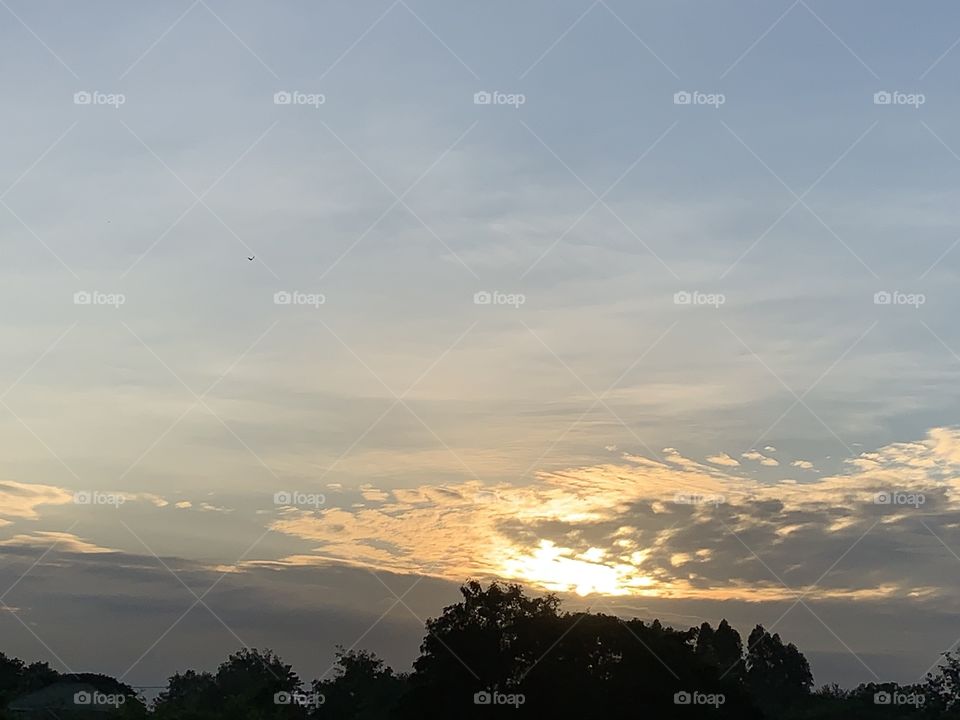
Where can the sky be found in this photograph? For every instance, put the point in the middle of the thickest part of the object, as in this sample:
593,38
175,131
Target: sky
650,304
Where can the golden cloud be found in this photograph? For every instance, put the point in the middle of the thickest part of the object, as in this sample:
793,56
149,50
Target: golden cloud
670,528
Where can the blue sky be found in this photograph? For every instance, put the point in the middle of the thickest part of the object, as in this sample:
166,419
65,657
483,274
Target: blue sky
415,411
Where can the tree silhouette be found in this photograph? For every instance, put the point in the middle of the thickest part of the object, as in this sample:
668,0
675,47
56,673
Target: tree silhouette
499,642
190,696
11,678
481,644
942,687
776,674
363,688
728,649
500,653
251,684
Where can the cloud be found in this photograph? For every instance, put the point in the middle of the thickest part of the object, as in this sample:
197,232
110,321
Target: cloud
763,459
21,500
723,459
802,464
374,494
672,528
61,541
207,507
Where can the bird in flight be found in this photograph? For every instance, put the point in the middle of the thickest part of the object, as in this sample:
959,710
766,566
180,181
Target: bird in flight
250,257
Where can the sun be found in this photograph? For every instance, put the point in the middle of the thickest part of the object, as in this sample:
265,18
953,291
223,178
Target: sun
562,570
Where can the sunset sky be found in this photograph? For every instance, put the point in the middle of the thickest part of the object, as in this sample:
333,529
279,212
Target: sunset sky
717,375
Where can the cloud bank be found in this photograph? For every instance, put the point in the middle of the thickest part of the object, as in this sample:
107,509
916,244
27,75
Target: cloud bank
672,528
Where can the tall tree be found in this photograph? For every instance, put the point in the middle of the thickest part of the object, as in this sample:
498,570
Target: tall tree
728,648
776,674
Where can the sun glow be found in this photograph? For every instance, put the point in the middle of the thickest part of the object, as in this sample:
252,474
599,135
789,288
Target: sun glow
559,569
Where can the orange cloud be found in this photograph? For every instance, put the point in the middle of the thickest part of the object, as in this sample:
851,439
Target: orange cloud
676,528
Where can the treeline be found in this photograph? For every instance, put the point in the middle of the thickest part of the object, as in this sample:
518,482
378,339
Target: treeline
500,653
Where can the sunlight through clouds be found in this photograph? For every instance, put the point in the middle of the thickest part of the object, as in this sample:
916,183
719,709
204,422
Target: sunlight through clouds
677,528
